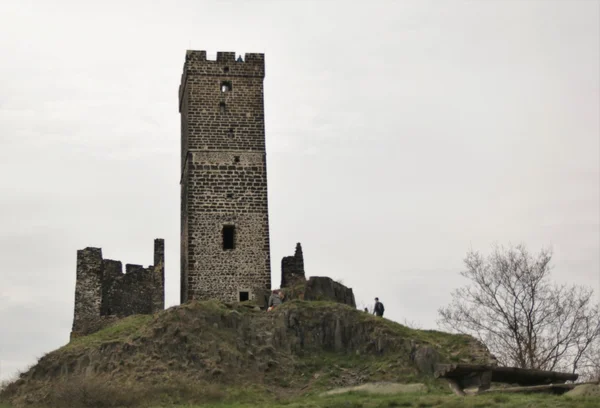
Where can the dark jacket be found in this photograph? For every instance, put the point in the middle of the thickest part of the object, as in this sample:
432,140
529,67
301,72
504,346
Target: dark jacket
379,309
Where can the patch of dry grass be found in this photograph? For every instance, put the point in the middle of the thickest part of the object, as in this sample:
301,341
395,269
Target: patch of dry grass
98,392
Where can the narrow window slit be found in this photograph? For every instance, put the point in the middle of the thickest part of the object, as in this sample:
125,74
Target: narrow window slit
228,236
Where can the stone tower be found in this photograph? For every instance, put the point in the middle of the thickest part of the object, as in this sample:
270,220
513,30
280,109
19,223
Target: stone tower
224,212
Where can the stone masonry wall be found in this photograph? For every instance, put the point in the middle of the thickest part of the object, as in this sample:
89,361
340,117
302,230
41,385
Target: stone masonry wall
158,276
88,287
295,285
292,268
103,293
324,288
223,177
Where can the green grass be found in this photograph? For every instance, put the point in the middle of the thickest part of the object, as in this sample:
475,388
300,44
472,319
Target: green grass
360,400
132,327
247,398
155,362
119,331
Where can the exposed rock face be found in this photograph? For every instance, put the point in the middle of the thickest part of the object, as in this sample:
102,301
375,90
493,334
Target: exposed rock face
210,341
324,288
103,293
292,268
425,358
321,288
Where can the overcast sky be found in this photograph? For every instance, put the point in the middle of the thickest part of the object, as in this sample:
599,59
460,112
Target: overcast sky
399,135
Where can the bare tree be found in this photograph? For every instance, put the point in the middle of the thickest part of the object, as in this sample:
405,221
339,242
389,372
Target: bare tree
589,365
525,320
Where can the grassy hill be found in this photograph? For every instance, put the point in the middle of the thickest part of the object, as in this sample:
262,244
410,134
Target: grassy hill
234,355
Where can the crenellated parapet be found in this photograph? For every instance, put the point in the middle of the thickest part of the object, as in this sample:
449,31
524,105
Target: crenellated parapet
104,293
227,65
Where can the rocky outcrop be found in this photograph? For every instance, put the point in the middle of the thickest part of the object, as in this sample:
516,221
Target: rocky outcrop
426,359
321,288
324,288
228,343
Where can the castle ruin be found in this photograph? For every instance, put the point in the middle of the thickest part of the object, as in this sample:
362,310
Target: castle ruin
224,211
292,268
316,288
104,293
225,250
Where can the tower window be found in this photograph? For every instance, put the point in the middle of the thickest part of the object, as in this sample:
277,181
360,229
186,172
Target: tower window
226,69
236,159
228,236
226,86
230,132
244,296
222,107
229,195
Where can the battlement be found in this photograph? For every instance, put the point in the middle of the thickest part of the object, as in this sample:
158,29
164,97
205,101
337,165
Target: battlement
193,56
103,292
252,65
226,64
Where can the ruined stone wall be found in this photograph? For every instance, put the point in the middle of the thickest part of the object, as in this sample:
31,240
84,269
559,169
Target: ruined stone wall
158,276
88,287
223,178
295,285
103,292
324,288
292,268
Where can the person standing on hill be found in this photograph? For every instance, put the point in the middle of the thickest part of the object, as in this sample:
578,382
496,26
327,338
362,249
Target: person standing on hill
378,309
274,300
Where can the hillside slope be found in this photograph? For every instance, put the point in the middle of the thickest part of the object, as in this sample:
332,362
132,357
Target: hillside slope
299,347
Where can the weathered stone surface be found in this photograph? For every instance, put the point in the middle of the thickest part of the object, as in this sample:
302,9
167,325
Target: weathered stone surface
88,287
292,268
103,293
426,359
324,288
223,178
295,285
158,276
321,288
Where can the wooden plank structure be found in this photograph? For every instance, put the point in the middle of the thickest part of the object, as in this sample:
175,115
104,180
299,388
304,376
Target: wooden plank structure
463,376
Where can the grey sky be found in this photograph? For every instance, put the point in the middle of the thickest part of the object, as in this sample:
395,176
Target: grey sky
399,135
